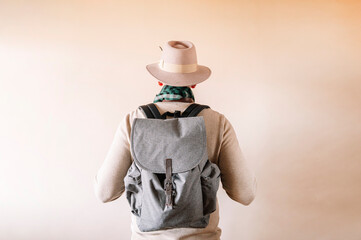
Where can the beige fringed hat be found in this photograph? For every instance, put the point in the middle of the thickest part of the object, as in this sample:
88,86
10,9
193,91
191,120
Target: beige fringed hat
178,65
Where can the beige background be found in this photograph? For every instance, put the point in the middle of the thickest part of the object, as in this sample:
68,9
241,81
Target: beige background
286,73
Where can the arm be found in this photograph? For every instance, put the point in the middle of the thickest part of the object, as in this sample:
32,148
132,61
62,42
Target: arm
238,180
109,183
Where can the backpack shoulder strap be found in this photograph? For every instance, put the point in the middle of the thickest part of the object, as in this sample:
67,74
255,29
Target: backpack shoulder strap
150,111
193,110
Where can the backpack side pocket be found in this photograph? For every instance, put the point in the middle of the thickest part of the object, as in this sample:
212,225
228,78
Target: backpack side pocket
133,188
210,177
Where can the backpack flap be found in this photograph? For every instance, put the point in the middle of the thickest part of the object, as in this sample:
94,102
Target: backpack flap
181,139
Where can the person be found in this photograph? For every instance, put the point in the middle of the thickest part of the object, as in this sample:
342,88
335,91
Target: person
178,72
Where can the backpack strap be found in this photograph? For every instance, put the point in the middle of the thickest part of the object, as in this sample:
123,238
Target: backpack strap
193,110
154,110
146,111
150,111
189,109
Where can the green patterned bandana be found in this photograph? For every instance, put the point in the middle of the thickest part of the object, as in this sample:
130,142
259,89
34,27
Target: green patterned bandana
173,93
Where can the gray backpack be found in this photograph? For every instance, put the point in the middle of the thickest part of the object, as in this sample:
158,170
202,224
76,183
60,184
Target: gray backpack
171,183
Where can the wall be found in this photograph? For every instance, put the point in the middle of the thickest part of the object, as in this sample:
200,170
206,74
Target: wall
286,73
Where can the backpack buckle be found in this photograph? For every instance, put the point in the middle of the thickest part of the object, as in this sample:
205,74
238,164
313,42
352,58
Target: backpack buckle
177,114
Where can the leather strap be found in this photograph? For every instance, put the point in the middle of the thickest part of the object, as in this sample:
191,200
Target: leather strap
168,185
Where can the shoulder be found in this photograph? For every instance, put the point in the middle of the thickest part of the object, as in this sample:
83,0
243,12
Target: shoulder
212,114
130,116
126,121
209,114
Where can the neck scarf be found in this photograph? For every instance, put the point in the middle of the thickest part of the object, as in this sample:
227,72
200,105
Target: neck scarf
173,93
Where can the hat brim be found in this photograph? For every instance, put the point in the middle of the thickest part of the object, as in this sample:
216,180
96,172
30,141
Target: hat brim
179,79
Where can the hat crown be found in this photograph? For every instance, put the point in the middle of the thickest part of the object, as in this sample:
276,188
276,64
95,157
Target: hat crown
179,52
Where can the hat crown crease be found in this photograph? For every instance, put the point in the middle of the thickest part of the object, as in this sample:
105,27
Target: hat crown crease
171,54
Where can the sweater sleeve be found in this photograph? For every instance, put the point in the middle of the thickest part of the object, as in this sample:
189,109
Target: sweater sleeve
108,182
238,180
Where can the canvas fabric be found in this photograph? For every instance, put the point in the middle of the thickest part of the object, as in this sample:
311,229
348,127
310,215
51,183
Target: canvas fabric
195,179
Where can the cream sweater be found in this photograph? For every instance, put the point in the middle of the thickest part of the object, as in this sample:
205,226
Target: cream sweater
237,179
